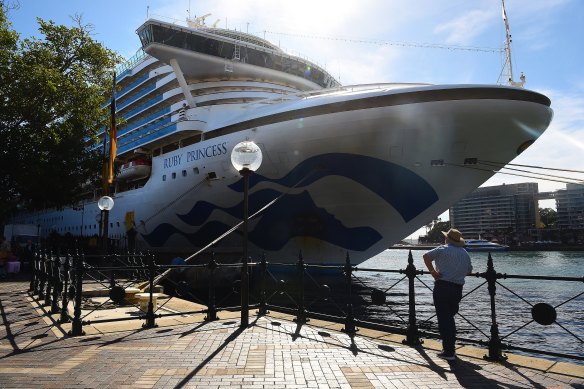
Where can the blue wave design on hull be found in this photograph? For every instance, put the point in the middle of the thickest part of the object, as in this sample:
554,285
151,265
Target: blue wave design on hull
296,215
291,216
403,189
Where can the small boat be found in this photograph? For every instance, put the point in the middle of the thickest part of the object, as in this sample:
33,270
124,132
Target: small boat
134,170
483,245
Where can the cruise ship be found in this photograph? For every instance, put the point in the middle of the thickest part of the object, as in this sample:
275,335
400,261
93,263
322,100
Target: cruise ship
346,169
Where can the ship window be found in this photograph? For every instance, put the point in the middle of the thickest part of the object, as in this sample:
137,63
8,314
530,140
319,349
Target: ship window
184,173
117,224
173,176
196,170
164,177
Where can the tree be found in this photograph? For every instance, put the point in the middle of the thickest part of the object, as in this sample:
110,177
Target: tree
53,93
435,234
548,217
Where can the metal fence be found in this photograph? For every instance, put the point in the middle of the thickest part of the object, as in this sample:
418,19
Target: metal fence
496,312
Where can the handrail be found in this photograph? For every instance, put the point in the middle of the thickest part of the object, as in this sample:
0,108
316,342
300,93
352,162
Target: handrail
295,288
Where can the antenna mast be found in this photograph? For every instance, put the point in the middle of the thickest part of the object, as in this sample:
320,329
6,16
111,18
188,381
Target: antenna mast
508,65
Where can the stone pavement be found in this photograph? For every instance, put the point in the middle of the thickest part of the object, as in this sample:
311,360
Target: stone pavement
274,352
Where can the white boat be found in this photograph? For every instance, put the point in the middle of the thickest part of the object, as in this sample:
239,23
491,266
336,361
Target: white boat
134,170
354,168
483,245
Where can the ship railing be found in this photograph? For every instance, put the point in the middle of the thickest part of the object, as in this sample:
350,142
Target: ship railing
498,311
492,312
337,90
90,283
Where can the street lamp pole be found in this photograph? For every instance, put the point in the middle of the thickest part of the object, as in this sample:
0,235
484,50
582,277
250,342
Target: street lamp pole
105,204
246,157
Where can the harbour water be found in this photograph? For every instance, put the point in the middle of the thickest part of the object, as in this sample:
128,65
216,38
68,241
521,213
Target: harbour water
514,297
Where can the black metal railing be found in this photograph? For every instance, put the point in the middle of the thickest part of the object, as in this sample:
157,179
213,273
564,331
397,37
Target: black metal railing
341,293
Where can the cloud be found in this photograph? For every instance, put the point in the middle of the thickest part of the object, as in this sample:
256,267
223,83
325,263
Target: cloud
465,28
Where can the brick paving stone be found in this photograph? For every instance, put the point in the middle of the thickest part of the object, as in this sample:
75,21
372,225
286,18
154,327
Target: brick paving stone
216,355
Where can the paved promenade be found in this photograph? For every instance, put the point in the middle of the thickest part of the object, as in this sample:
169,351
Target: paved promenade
274,352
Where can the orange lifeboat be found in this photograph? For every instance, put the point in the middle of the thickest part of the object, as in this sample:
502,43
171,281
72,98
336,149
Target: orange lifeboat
134,170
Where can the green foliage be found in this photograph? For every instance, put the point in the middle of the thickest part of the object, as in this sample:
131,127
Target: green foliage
53,92
435,233
548,217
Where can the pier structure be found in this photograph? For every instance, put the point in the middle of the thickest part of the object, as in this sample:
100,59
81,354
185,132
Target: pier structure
187,350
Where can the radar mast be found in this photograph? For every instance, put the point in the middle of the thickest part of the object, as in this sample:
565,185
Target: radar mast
507,70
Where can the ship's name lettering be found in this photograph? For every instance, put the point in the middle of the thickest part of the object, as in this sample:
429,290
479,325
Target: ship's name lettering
207,152
172,161
196,154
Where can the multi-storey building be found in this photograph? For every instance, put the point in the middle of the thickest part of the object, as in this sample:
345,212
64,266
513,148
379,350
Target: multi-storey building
570,207
498,211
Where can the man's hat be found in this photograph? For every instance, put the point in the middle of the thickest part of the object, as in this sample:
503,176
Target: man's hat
455,237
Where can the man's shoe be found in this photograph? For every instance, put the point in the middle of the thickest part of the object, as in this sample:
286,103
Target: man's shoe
448,357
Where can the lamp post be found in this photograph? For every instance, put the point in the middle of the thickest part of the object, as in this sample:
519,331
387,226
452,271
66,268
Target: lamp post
246,158
105,204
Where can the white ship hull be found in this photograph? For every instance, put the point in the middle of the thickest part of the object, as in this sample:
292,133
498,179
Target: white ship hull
354,169
355,181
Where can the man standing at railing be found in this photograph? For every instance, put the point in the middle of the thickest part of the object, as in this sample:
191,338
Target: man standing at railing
451,263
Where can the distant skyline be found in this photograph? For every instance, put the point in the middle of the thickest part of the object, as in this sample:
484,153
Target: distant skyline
374,41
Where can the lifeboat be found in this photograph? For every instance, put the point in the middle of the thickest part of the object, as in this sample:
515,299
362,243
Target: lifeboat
134,170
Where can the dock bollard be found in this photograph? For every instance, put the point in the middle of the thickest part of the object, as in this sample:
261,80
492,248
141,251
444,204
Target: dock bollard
412,334
77,325
495,347
350,318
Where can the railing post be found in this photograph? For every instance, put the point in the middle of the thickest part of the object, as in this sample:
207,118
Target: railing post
65,291
301,312
55,262
111,259
77,325
495,349
412,334
31,287
150,314
36,273
41,275
263,300
350,318
212,309
49,280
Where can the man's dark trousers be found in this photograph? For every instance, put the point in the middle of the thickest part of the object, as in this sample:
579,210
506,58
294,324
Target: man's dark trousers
447,296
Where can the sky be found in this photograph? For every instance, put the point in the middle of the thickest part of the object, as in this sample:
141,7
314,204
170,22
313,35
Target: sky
377,41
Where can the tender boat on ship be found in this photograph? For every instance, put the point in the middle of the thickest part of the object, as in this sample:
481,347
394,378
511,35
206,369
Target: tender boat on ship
134,170
353,169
